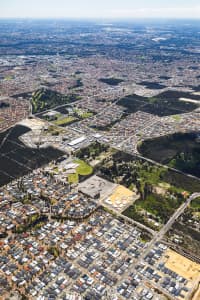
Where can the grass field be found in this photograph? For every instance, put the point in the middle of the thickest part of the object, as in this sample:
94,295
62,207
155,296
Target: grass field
9,77
195,204
65,121
152,100
86,115
54,130
83,169
176,118
160,206
83,114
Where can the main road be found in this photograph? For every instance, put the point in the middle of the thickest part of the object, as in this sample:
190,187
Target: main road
158,236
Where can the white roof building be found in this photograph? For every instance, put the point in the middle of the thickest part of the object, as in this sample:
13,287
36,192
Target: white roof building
77,141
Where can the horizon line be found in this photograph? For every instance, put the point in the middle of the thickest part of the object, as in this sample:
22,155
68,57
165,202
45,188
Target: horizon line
99,18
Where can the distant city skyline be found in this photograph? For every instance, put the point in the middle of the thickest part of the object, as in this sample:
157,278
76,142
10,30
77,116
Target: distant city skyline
100,9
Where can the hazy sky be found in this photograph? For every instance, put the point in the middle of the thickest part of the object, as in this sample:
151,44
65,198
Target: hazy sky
100,8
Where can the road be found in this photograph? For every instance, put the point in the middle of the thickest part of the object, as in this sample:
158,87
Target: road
6,137
165,166
53,108
158,236
130,221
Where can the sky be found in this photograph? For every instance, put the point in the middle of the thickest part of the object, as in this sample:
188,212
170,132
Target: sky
101,9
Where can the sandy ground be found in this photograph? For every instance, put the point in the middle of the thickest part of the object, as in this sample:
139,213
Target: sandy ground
121,194
34,124
190,100
196,94
120,198
182,266
197,295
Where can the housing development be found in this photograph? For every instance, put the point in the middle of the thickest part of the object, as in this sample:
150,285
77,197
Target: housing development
99,160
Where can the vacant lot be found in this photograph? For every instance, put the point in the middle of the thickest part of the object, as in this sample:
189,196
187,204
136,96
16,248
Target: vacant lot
182,266
120,198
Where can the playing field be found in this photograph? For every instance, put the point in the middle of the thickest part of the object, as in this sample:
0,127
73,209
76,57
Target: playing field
83,169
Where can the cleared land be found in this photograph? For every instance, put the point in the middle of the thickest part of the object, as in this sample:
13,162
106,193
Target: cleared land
182,265
121,198
197,295
33,124
190,100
